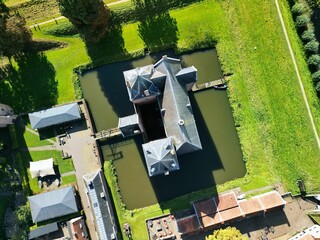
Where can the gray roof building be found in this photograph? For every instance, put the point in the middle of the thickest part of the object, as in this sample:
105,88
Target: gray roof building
168,83
138,83
160,156
129,125
44,230
100,203
178,119
52,204
54,116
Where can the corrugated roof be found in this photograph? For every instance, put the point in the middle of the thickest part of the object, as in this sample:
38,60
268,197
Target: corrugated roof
52,204
53,116
160,156
100,205
40,231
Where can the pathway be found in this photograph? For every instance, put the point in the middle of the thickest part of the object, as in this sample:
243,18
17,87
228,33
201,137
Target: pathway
298,74
62,17
68,173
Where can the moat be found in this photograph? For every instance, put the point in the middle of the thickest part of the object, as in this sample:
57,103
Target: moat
220,160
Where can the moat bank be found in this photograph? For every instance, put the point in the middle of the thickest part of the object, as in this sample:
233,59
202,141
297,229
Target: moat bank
220,160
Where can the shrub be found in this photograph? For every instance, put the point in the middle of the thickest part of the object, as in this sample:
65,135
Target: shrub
316,76
308,35
298,9
317,87
312,46
314,60
302,20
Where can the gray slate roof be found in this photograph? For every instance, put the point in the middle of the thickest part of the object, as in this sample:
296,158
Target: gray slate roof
52,204
139,84
40,231
101,208
179,122
53,116
160,156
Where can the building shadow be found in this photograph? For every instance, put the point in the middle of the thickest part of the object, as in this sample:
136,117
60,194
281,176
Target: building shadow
196,168
31,85
111,48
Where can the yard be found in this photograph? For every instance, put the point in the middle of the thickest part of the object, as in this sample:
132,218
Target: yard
270,116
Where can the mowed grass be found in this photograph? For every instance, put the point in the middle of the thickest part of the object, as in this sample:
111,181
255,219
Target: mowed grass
271,118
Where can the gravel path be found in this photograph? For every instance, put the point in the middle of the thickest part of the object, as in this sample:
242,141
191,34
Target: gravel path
298,74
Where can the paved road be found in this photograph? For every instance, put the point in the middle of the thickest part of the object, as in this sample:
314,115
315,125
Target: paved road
298,75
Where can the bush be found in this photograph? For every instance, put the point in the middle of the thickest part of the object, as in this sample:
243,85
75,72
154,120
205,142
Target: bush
317,87
298,9
314,60
302,20
312,46
316,76
308,35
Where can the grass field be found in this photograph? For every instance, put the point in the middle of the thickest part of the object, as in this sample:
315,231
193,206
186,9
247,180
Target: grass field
270,116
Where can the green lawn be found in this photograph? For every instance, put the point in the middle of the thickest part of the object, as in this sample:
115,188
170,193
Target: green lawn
65,165
270,116
69,179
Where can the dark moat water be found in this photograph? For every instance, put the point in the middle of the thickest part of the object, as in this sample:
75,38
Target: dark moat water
220,160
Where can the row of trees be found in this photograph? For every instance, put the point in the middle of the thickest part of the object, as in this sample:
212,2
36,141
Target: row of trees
305,29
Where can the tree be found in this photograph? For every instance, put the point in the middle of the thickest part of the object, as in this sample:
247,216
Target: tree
90,17
316,76
312,46
302,20
308,35
14,35
23,216
317,87
229,233
298,8
314,60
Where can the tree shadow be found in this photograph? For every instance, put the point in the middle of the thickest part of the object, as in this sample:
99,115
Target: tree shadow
315,18
32,85
159,32
109,49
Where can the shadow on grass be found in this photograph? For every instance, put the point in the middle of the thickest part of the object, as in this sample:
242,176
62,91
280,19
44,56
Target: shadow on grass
159,32
111,48
31,85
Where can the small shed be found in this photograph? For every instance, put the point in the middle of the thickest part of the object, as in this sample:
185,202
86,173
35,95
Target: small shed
44,230
42,168
55,116
129,125
161,157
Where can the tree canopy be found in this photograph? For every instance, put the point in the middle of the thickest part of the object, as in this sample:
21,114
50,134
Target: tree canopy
14,35
90,17
229,233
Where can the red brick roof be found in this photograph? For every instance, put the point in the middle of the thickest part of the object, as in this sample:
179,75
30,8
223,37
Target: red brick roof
226,201
251,206
205,207
271,200
188,224
210,220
